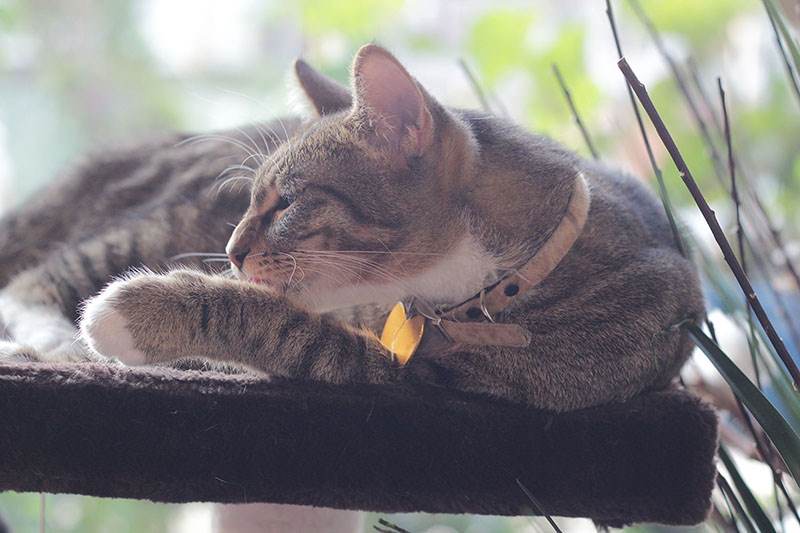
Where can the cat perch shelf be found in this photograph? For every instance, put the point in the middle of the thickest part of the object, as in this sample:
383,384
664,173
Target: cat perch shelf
179,436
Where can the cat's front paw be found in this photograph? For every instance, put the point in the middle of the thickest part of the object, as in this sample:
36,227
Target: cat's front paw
105,325
145,318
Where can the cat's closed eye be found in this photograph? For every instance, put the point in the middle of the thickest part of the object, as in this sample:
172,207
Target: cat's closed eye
283,203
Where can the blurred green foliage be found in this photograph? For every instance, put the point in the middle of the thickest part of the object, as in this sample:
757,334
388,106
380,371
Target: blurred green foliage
68,513
357,20
702,24
79,75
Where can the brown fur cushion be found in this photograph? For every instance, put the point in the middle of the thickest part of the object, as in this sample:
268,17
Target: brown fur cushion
178,436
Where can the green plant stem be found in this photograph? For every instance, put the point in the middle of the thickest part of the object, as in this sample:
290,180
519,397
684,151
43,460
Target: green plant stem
733,500
753,507
785,59
476,86
772,233
662,188
575,115
751,341
711,220
791,44
786,441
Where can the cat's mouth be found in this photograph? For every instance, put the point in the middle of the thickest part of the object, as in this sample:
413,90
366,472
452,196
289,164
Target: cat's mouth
279,282
275,284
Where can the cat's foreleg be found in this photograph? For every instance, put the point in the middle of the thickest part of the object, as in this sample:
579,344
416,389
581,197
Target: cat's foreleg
39,306
153,319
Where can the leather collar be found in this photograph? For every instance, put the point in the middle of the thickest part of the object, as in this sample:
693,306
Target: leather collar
472,321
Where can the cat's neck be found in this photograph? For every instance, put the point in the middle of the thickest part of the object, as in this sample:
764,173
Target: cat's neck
461,273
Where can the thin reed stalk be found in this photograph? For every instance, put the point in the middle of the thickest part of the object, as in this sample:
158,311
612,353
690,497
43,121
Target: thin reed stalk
575,115
711,220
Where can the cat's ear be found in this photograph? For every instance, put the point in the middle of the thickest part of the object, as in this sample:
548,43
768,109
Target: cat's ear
392,101
325,94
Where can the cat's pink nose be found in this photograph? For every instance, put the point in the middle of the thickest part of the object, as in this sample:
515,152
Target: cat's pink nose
237,257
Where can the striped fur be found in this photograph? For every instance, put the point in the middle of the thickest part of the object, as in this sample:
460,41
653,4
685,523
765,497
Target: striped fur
384,195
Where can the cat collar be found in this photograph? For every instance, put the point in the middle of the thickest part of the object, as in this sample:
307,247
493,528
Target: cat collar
410,327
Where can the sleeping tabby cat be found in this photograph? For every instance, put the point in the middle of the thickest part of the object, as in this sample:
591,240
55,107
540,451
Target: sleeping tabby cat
383,196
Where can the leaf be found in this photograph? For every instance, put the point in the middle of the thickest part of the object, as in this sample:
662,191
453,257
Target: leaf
356,20
700,23
753,507
788,38
779,431
496,42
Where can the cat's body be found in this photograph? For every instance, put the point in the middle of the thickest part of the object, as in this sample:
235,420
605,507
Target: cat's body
385,198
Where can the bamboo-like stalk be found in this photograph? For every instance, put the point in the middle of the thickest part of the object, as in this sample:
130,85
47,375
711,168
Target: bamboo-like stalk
482,94
780,300
787,65
680,81
388,527
772,232
739,228
662,188
756,255
728,524
574,110
785,439
769,457
753,508
764,448
476,86
791,44
711,220
733,500
537,506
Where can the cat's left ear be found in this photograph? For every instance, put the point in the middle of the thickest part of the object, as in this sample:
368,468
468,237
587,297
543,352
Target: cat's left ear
392,101
325,94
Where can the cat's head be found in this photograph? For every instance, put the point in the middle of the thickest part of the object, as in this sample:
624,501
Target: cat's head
364,205
376,199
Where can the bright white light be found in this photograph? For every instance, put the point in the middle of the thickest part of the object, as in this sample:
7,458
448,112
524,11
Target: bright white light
187,36
193,518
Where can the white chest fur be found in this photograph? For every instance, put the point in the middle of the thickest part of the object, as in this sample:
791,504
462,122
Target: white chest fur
457,275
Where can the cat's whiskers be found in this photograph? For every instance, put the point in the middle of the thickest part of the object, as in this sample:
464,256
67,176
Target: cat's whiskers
332,262
274,267
341,279
238,166
285,133
379,252
274,136
229,273
219,138
256,147
389,251
197,254
233,179
264,139
366,266
360,261
375,252
345,270
294,267
376,268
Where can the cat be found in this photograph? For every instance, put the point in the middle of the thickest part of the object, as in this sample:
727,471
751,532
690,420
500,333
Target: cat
383,195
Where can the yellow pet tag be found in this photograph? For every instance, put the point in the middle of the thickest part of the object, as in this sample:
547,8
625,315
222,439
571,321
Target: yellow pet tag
402,335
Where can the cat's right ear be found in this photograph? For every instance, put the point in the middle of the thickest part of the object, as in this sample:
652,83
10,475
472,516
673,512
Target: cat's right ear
325,94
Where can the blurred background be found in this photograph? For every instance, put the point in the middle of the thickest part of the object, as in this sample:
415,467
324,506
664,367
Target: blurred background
80,75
